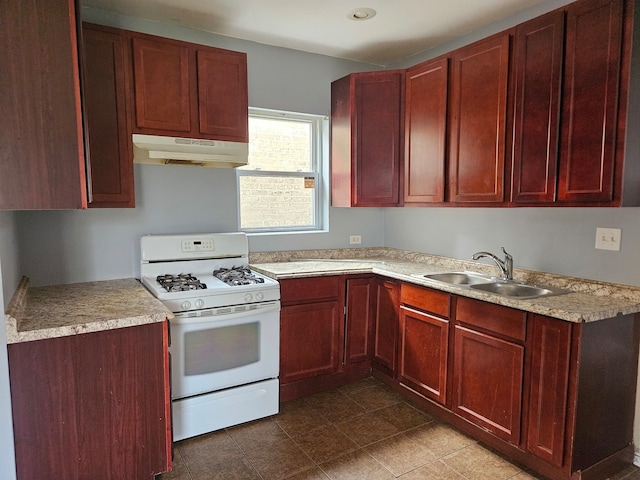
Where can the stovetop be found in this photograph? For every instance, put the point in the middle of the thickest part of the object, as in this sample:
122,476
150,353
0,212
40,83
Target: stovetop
196,258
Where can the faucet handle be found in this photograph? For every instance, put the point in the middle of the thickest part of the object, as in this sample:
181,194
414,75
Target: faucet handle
506,254
508,264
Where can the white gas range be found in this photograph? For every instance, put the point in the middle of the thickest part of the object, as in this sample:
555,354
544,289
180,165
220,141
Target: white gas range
226,331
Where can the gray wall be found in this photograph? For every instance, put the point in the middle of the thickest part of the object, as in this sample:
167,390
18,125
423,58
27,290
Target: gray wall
9,278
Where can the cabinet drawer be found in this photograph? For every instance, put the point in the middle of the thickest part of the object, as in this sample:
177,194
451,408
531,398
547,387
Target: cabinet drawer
425,299
497,319
295,290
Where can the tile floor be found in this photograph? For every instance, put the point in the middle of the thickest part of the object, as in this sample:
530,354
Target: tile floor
362,431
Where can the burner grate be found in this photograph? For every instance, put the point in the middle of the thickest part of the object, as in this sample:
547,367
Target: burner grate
180,283
237,276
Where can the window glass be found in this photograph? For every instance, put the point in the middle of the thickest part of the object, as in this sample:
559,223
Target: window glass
280,189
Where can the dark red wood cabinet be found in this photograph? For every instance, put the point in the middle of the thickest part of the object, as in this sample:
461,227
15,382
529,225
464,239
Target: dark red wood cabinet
385,326
359,311
366,139
423,352
106,89
42,157
539,47
94,402
593,102
478,120
188,90
425,132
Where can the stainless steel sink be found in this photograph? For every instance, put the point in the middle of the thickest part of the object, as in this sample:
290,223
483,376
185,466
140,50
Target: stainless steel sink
518,290
459,278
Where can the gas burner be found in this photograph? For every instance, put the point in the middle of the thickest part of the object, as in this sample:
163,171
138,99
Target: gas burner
180,283
237,276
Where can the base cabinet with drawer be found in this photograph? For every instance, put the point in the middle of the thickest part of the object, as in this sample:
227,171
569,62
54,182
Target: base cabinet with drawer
325,332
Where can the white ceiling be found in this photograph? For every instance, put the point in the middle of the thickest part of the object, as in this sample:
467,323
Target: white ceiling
400,28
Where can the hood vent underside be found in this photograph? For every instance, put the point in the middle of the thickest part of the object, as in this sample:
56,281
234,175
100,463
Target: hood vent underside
159,150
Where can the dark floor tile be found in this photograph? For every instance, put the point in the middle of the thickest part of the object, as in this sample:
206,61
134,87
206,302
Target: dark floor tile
299,418
375,397
404,416
359,385
334,406
439,438
231,470
314,473
279,460
325,444
258,434
179,470
211,449
357,465
367,429
433,471
400,455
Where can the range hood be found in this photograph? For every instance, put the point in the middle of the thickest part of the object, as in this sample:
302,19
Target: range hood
159,150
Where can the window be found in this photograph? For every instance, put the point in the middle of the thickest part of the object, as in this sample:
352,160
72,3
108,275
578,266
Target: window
281,189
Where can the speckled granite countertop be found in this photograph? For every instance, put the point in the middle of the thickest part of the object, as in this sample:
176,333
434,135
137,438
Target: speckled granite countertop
588,301
61,310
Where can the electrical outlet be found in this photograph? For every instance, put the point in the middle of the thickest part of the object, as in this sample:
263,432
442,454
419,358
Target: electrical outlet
355,239
608,238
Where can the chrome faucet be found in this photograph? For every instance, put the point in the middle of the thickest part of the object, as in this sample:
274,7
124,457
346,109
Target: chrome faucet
505,266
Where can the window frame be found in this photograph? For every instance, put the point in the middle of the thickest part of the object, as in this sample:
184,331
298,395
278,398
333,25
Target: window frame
319,162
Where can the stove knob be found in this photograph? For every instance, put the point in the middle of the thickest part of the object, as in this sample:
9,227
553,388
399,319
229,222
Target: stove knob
259,296
199,303
248,297
186,305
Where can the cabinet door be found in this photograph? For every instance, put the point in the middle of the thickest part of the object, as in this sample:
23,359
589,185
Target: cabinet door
161,76
425,130
222,94
358,333
105,102
590,102
424,347
539,47
477,120
487,382
377,143
385,333
96,402
550,357
42,158
310,340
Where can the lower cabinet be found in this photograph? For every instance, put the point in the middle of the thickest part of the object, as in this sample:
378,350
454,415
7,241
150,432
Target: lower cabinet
385,326
92,404
424,341
325,332
556,396
488,366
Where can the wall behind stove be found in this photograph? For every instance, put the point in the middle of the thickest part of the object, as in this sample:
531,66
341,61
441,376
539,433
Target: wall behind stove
76,246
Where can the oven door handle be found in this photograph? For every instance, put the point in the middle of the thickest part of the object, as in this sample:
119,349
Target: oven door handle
184,319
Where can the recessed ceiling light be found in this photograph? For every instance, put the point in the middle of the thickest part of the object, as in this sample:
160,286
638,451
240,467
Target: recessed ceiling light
361,14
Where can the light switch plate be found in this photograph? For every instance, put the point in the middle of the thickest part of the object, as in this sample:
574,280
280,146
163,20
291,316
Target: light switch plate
608,238
355,239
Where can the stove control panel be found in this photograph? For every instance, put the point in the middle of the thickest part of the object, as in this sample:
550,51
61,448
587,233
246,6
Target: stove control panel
198,245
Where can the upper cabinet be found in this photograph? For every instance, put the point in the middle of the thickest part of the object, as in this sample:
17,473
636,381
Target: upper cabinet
425,131
538,77
477,120
188,90
570,111
532,116
366,139
42,159
593,103
107,116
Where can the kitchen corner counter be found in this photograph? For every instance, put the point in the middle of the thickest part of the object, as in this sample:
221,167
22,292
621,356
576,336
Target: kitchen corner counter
37,313
588,301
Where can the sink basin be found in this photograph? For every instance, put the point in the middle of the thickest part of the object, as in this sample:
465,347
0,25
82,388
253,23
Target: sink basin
517,290
459,278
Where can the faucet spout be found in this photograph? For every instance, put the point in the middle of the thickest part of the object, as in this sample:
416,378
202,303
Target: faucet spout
505,266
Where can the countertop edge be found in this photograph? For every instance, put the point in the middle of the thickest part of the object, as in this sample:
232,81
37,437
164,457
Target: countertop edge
589,300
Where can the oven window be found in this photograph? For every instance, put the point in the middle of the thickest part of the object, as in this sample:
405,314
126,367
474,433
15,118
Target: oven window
224,348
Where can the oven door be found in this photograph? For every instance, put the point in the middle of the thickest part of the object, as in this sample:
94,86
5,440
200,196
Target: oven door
214,352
